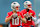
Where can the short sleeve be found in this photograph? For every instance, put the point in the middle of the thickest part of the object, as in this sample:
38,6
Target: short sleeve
34,14
8,15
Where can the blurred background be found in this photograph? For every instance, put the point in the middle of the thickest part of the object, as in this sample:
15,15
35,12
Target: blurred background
5,6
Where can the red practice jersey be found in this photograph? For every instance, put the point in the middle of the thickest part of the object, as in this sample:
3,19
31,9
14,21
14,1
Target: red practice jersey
29,22
14,22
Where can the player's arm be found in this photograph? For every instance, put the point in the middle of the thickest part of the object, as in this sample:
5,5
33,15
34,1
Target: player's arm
34,19
8,18
22,18
34,16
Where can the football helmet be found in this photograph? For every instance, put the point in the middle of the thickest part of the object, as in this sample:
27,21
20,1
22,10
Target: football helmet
15,6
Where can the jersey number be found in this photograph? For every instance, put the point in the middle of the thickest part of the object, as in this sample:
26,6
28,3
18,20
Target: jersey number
15,21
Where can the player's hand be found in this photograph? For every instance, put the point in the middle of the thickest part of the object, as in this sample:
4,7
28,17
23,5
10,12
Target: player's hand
26,16
19,17
14,15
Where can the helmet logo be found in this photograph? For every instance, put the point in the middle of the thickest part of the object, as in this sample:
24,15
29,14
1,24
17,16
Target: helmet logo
14,3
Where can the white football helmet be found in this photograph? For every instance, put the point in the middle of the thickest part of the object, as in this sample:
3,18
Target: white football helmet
39,14
26,3
14,5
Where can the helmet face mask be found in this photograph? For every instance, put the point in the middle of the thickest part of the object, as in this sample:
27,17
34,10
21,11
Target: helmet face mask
17,9
29,5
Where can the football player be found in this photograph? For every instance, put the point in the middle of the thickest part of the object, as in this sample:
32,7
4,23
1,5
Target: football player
28,13
14,15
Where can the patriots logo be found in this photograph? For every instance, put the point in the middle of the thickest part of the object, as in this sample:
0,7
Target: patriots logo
14,3
26,2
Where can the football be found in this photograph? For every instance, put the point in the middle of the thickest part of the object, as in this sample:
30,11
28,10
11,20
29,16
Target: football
15,15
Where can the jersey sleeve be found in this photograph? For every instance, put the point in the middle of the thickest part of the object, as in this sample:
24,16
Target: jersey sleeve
8,15
34,14
23,11
21,14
